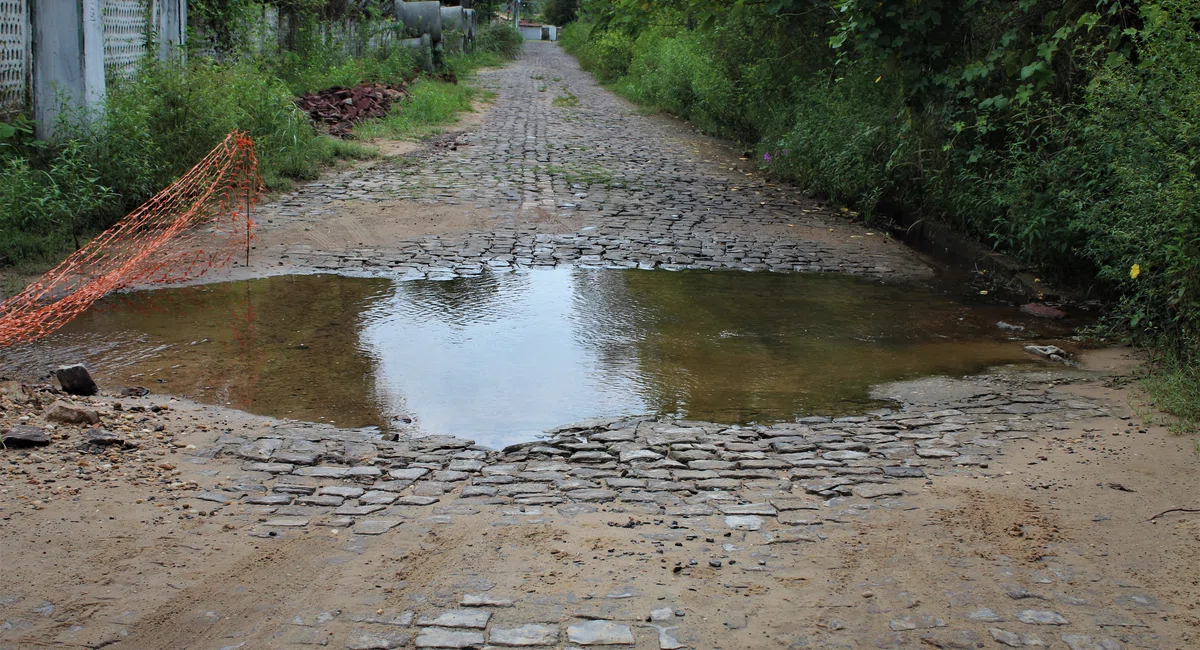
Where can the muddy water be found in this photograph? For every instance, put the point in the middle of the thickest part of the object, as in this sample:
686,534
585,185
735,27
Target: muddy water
501,357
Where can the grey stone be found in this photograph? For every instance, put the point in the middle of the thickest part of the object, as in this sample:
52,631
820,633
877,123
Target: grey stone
214,497
357,511
744,522
523,635
328,501
416,500
296,457
764,509
600,633
1039,617
270,500
436,637
985,615
470,618
936,452
75,380
65,413
373,640
374,526
104,437
484,600
377,497
410,474
875,490
23,435
592,495
1011,639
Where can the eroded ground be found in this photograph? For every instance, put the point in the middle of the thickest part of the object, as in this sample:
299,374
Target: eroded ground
1007,509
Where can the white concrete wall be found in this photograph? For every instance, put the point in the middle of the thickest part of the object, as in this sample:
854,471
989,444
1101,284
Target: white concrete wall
535,33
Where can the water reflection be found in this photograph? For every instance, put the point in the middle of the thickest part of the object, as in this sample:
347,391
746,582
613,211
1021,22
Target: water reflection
502,357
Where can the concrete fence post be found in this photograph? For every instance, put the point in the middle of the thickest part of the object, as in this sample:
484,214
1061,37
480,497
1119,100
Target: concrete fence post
68,59
170,27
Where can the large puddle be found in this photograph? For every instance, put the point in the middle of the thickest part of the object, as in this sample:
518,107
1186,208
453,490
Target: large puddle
499,358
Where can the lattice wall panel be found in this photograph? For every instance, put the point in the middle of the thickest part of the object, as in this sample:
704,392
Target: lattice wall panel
124,36
14,41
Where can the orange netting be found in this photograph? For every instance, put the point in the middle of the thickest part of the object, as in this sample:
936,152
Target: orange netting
199,222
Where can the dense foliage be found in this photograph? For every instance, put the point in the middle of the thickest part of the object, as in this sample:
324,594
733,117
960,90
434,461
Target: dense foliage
1066,134
158,124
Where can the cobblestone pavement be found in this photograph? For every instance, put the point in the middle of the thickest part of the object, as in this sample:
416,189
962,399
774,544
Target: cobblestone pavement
594,183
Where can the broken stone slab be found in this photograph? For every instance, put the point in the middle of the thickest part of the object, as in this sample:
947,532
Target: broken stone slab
75,380
409,474
763,509
415,500
270,468
357,511
323,471
484,600
875,490
592,495
600,633
436,637
269,500
342,491
403,619
375,526
455,618
24,435
668,638
904,472
377,497
744,522
296,457
523,635
936,452
104,438
65,413
915,623
1041,617
215,497
372,640
287,522
327,501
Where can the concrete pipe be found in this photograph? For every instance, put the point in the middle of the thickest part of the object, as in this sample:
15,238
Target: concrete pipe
454,19
421,18
424,50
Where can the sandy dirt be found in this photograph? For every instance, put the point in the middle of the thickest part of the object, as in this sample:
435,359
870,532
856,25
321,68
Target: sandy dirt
112,549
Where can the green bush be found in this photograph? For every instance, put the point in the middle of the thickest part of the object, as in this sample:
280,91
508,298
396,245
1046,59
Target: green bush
1063,135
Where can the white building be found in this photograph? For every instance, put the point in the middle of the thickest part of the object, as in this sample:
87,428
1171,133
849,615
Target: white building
538,31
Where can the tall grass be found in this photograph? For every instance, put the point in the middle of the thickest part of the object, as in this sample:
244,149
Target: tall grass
157,125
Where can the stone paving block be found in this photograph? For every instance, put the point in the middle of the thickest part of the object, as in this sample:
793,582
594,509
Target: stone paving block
376,640
524,635
599,632
374,526
468,618
436,637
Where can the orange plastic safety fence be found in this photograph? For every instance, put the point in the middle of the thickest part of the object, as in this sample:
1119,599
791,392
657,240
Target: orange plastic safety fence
200,222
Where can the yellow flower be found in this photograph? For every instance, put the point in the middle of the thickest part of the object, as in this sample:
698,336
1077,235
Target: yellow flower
1135,271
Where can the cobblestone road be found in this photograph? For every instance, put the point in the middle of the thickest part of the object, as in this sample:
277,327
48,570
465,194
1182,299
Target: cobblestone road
593,183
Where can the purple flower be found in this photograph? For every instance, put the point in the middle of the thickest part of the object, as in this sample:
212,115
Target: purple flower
767,156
